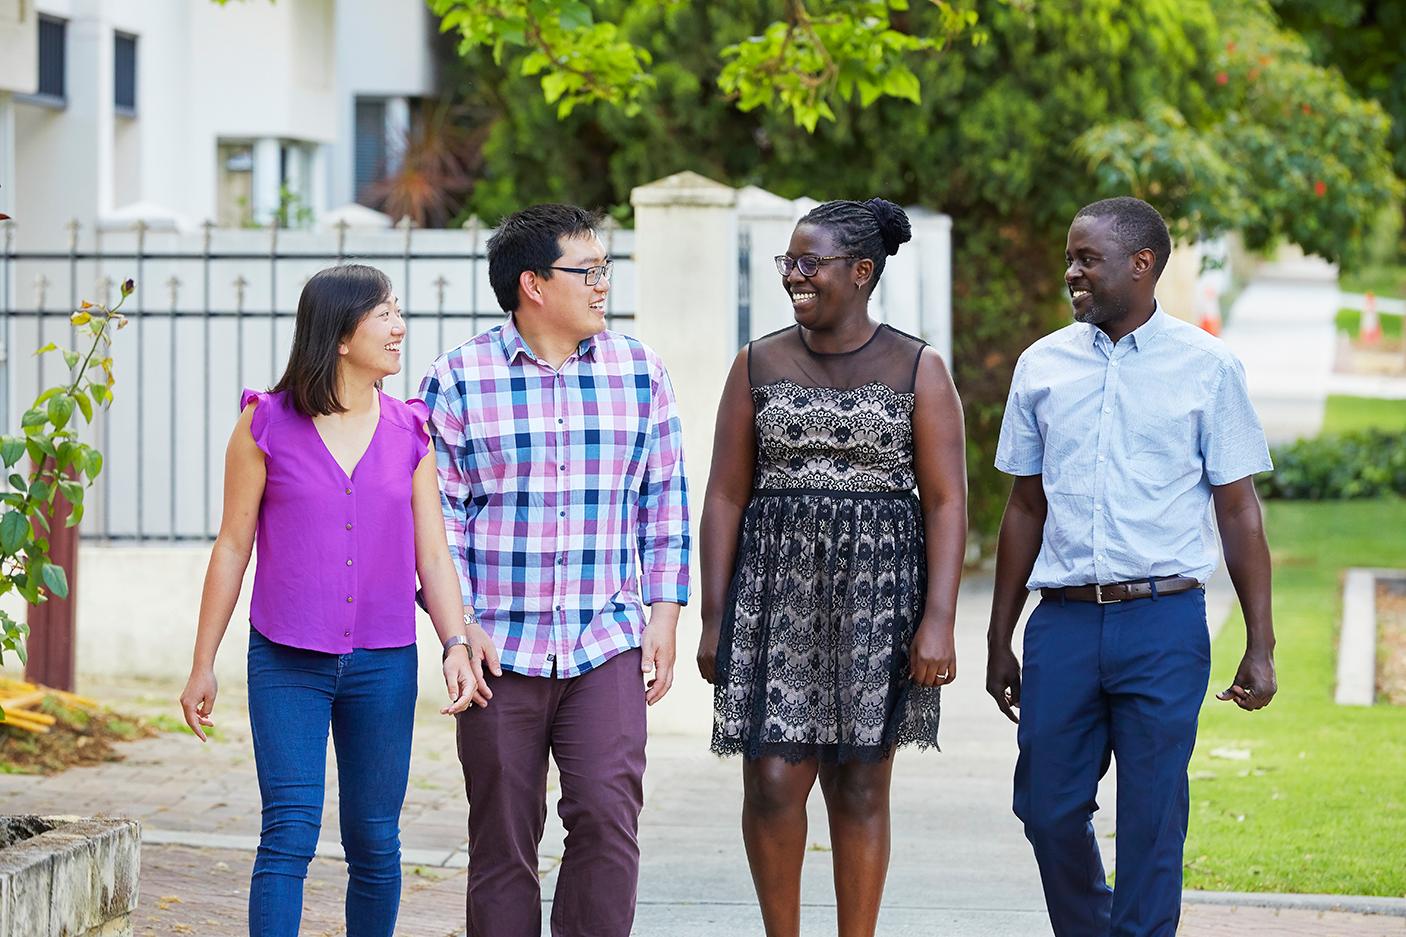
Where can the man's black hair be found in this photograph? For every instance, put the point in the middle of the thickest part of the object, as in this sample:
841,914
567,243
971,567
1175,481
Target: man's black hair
1136,226
872,229
531,240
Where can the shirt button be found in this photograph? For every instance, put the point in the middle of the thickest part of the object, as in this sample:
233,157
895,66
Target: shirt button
347,633
349,527
563,468
561,514
1107,409
348,598
1100,557
348,562
558,607
560,421
348,491
1115,364
1101,459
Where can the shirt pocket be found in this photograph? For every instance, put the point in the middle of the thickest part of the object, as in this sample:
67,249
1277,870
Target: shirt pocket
1160,451
1068,466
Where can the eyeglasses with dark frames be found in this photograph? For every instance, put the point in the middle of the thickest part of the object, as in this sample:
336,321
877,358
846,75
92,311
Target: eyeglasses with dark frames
593,274
808,265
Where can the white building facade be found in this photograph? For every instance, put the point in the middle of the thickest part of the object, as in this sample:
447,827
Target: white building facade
179,111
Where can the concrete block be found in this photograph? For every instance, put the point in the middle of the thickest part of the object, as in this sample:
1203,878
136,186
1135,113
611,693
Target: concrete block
76,877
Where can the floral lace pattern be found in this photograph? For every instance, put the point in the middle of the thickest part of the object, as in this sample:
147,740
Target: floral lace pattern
829,586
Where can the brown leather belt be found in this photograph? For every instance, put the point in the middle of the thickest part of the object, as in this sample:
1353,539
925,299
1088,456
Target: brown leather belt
1122,591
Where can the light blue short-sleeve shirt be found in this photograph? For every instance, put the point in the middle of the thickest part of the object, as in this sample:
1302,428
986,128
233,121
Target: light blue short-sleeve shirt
1128,439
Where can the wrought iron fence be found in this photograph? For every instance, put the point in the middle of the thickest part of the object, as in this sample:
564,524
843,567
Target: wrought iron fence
213,313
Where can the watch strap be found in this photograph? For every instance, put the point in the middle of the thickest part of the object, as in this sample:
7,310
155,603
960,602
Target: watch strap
454,640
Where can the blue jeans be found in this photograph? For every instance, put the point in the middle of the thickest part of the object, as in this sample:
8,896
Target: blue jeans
368,698
1126,679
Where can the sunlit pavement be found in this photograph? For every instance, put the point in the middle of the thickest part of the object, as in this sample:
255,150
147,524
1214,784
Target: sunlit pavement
960,862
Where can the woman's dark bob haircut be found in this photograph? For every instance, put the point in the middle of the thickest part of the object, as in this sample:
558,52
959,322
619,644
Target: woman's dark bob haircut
332,305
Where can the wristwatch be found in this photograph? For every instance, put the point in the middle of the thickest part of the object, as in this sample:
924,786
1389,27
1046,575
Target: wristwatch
456,639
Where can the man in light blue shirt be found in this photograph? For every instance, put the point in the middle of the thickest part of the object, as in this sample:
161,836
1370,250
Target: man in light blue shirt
1124,430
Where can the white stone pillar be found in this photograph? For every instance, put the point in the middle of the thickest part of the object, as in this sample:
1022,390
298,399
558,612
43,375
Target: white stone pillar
268,177
397,132
932,236
7,153
686,310
768,220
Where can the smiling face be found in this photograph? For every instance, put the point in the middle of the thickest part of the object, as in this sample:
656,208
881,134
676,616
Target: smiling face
569,307
375,345
1105,281
839,288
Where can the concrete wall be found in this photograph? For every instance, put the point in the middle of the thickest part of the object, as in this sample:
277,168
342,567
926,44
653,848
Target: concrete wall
19,38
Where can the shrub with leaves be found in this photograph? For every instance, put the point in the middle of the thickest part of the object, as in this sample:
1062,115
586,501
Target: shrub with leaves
60,465
1354,465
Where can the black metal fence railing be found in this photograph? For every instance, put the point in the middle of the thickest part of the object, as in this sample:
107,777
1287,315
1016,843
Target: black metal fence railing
213,313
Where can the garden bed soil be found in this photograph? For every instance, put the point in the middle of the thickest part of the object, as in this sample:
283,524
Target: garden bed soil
1391,638
79,737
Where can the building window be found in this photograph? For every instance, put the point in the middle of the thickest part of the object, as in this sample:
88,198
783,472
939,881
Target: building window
234,201
369,161
52,53
124,85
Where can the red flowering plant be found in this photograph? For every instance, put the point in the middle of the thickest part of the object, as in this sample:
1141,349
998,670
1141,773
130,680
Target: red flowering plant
61,465
1276,147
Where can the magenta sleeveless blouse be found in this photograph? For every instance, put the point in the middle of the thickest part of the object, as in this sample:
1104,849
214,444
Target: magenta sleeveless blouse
336,555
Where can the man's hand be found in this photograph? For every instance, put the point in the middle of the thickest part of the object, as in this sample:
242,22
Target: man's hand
1003,681
1254,684
659,647
932,658
482,651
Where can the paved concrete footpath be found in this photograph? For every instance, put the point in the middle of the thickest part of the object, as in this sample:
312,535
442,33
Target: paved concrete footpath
960,866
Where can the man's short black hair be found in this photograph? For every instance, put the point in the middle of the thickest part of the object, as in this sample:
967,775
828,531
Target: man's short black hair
531,240
1136,226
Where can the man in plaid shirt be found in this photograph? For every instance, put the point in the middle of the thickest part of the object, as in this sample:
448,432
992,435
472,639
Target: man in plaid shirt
562,480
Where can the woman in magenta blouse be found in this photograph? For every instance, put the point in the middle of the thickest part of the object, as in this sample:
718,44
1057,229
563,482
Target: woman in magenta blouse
336,482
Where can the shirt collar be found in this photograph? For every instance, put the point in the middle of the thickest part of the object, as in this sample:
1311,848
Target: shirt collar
513,345
1140,336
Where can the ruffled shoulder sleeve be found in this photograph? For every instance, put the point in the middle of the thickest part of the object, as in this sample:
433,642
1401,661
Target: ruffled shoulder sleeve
410,416
259,428
420,413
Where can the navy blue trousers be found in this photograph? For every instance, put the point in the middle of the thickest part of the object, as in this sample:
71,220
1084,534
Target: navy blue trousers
1126,679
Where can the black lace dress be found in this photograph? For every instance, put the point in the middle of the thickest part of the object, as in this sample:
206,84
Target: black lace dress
831,573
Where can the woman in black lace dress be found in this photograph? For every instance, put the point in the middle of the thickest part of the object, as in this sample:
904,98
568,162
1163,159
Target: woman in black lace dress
829,589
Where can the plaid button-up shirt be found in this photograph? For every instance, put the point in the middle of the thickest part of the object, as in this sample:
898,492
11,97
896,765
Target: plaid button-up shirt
564,495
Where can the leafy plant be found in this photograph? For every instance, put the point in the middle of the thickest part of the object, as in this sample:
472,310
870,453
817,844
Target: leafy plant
819,54
1365,464
62,465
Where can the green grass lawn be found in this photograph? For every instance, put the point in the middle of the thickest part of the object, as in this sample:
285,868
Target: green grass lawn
1345,414
1320,804
1350,320
1382,279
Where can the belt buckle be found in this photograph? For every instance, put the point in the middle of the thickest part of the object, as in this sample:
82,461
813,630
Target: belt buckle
1098,596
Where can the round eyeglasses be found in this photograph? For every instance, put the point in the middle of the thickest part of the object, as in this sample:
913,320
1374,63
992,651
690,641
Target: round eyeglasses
593,274
807,264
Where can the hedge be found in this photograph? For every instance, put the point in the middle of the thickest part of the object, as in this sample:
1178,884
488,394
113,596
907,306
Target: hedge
1365,464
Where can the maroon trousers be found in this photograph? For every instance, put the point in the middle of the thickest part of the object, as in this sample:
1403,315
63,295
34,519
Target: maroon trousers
594,726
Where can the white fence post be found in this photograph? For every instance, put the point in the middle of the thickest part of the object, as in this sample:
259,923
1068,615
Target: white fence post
686,310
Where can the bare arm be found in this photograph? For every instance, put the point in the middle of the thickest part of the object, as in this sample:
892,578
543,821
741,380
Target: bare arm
939,459
463,666
245,474
1247,559
1022,532
729,489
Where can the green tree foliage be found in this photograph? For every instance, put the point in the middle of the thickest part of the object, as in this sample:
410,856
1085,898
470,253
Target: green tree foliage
1205,108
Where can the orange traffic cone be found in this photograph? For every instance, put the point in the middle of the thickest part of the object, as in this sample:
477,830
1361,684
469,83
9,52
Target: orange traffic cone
1370,330
1210,311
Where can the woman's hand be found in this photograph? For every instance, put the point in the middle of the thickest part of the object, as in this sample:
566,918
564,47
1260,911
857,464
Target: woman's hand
459,679
708,652
198,700
932,658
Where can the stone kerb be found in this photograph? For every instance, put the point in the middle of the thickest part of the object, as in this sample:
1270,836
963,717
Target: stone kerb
1357,644
68,876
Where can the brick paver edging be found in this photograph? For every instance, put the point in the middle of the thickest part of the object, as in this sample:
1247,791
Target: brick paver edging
1353,904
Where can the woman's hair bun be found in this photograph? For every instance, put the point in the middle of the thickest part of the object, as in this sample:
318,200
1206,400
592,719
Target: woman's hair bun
893,223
